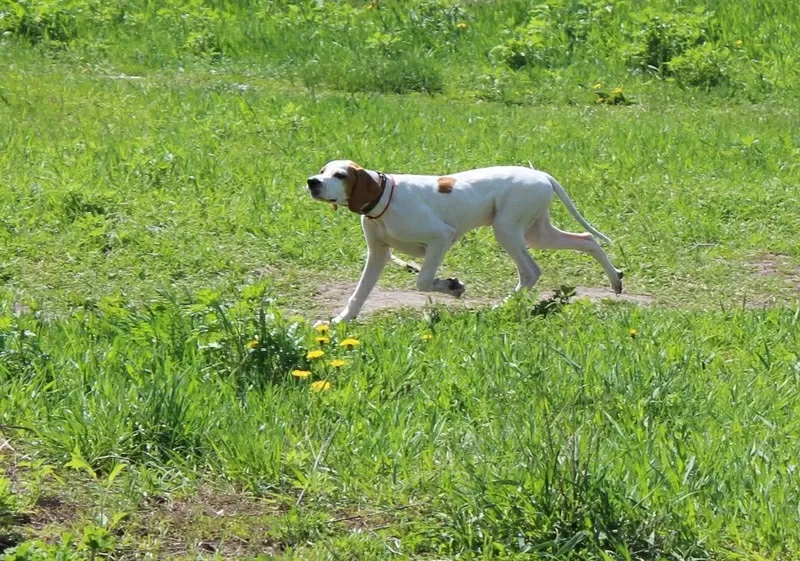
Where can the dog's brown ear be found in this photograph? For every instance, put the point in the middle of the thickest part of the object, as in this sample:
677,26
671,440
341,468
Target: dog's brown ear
361,189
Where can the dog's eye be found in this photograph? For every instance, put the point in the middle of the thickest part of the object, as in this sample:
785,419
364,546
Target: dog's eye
340,175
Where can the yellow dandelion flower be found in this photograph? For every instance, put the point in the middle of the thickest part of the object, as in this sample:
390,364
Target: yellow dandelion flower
596,86
313,355
322,340
617,91
253,344
302,374
370,6
461,25
427,336
349,343
739,43
320,386
337,363
633,333
323,328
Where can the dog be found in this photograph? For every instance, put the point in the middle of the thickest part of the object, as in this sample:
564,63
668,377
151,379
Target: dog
422,216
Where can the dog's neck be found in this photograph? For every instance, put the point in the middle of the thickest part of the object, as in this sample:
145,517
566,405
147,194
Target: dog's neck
375,208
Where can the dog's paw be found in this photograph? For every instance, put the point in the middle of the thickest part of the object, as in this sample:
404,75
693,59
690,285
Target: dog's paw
343,317
617,284
456,287
333,321
502,302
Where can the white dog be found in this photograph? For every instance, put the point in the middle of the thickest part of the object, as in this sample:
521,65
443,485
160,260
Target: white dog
424,215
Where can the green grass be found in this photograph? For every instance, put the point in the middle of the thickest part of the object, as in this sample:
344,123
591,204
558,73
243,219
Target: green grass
506,432
185,180
160,256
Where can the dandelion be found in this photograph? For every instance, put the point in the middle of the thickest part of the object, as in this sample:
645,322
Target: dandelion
596,86
322,340
320,386
302,374
632,333
253,344
617,91
427,336
739,43
461,25
349,343
337,363
323,329
313,355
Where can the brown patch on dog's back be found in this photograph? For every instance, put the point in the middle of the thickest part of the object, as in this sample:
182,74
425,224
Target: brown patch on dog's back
446,184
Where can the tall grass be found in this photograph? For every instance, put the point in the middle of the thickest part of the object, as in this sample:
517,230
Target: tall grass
427,45
563,434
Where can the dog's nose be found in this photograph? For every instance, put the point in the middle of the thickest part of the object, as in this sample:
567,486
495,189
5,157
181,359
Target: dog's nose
314,183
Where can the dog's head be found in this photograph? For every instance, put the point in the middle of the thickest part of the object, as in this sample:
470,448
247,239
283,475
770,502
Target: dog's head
343,182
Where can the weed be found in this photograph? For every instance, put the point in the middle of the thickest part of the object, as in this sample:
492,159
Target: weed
553,304
531,44
252,345
662,37
94,543
8,511
409,72
49,22
705,66
439,22
614,97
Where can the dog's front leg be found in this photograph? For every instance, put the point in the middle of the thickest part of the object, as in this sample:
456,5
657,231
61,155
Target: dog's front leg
378,255
377,258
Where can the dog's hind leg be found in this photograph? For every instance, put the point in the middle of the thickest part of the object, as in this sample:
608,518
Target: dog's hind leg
543,235
511,238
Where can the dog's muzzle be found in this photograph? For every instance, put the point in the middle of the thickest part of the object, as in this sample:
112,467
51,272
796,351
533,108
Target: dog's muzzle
315,186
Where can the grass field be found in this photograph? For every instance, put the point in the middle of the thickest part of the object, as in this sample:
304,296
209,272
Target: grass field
162,265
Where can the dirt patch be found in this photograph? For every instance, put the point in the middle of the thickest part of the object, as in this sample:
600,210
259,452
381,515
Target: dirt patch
229,525
773,279
776,266
53,510
28,517
600,294
332,298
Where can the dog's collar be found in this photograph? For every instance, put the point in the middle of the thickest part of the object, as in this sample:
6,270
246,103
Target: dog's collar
371,206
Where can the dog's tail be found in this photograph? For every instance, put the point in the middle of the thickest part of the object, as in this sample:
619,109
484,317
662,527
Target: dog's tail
559,190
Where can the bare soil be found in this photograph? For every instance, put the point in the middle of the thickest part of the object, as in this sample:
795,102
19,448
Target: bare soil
332,298
778,266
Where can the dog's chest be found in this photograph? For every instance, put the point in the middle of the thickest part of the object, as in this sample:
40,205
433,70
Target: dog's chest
407,244
404,246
